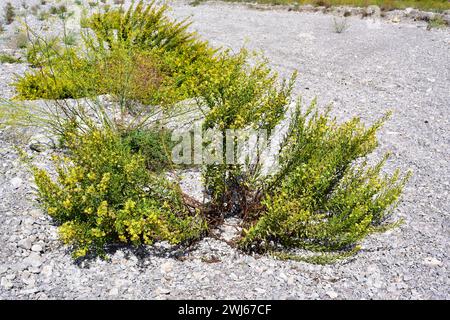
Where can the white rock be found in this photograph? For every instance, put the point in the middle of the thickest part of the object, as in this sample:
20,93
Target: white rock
332,294
25,244
114,292
167,267
433,262
11,276
5,283
3,269
47,271
29,291
260,290
33,260
36,248
160,291
16,182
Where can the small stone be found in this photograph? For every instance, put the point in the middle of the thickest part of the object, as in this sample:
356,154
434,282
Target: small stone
7,284
11,276
373,10
16,182
25,244
36,248
332,294
433,262
3,269
260,290
34,269
33,260
160,291
114,292
47,271
167,267
29,291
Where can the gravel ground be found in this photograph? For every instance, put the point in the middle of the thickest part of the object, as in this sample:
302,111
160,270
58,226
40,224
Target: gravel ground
372,67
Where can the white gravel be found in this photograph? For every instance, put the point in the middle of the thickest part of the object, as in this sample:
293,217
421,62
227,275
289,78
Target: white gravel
370,68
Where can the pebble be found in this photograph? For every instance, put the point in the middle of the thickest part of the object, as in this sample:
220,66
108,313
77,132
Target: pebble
6,283
167,267
25,244
332,294
16,182
33,260
433,262
36,248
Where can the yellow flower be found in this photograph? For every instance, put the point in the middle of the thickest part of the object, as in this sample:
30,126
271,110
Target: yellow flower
67,204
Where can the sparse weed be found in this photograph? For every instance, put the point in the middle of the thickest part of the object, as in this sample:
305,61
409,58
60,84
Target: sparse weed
10,13
436,23
21,40
340,25
6,58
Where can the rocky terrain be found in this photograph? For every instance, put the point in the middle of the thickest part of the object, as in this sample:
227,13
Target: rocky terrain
374,66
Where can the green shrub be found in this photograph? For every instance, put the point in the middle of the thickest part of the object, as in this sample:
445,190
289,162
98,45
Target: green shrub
325,196
154,145
159,62
436,22
105,194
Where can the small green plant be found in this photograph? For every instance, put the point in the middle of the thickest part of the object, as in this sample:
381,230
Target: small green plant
60,10
196,2
35,10
105,194
70,39
154,145
10,13
340,25
437,22
6,58
21,40
43,15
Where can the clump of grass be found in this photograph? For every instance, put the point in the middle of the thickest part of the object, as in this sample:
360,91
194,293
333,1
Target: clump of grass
6,58
340,25
43,15
436,23
196,2
35,10
119,1
70,39
10,14
21,40
62,9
